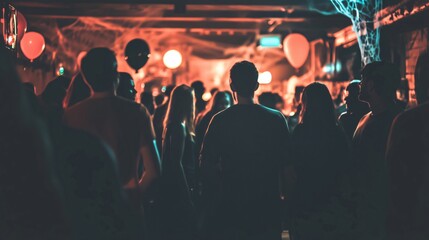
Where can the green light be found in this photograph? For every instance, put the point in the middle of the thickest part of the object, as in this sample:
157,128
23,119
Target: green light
270,41
61,71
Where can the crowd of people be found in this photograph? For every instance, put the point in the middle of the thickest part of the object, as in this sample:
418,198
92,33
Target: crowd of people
84,160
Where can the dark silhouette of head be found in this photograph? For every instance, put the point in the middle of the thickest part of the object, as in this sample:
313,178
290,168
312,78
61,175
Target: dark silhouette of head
126,87
146,98
55,91
317,106
99,69
244,79
159,99
221,101
379,81
199,89
421,76
77,91
353,90
268,100
181,107
168,90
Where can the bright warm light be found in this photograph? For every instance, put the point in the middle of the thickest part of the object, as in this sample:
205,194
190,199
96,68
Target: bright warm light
172,59
207,96
265,77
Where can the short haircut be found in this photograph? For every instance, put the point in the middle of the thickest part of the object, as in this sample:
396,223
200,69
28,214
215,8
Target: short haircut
385,76
99,68
244,78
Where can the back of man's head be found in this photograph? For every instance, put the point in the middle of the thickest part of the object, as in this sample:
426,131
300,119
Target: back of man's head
99,68
385,76
244,78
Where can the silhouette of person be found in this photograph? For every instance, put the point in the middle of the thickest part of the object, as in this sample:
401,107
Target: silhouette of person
31,203
146,98
320,155
356,109
77,91
124,125
378,87
407,156
87,173
158,117
126,87
178,165
159,100
245,151
199,89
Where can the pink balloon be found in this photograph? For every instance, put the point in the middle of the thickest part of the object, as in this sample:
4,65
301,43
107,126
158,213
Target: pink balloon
32,45
22,25
296,48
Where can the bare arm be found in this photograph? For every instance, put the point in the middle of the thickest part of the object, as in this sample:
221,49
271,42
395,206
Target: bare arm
151,163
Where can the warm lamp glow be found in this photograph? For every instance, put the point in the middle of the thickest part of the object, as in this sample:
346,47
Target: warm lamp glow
206,96
172,59
265,77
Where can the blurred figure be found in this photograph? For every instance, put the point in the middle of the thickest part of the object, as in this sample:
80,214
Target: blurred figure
87,173
126,87
199,89
268,100
178,165
407,157
320,155
159,100
356,109
31,203
244,154
146,99
77,91
158,117
124,125
220,102
378,88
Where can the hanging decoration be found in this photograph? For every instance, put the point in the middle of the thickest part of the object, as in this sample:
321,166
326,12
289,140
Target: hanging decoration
296,48
362,14
32,45
137,53
22,25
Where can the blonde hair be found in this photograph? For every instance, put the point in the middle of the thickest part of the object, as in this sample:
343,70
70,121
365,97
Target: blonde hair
181,107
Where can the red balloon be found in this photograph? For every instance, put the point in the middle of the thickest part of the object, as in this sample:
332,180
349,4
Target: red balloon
22,25
296,48
32,45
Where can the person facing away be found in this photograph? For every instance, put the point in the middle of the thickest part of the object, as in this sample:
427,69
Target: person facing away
178,164
126,87
199,89
356,109
76,92
158,117
146,98
244,153
124,125
31,204
320,155
378,89
87,173
407,156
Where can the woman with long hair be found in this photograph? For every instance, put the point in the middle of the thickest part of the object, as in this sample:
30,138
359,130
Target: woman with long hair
178,166
320,153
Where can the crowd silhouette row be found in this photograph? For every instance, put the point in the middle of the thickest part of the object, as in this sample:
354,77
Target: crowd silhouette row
84,161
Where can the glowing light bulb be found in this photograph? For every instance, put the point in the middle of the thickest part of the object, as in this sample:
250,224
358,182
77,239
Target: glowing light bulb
172,59
265,77
206,96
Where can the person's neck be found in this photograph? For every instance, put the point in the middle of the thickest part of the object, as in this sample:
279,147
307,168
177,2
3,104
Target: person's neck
245,100
380,105
103,94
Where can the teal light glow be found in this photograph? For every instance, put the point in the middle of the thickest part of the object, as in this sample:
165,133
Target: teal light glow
270,41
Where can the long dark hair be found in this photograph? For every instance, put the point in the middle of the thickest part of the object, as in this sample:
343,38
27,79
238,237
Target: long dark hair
181,107
317,106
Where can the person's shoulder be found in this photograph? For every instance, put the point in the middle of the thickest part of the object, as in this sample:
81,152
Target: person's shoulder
412,116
